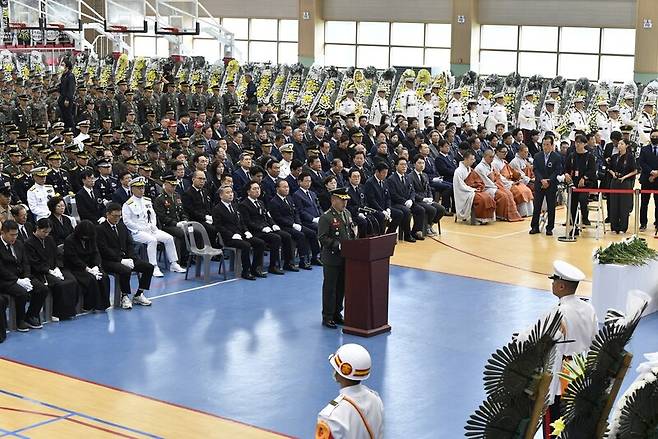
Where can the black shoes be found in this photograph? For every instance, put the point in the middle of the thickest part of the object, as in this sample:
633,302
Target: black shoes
338,319
329,323
22,327
316,262
258,274
419,236
549,233
534,231
275,271
248,276
290,267
305,266
33,322
410,239
586,222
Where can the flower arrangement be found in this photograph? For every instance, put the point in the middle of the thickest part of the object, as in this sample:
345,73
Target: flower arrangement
106,71
231,73
264,83
36,63
276,92
138,72
123,64
215,76
311,87
293,86
407,74
631,251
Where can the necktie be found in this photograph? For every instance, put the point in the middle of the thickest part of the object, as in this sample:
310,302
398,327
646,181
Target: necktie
23,233
11,250
286,201
114,229
230,209
655,150
547,156
404,181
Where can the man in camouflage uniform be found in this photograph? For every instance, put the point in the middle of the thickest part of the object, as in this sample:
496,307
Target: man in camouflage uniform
169,211
22,115
168,100
82,160
199,98
183,99
13,167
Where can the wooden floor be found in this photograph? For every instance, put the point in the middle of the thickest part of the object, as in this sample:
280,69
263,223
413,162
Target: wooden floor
505,252
65,407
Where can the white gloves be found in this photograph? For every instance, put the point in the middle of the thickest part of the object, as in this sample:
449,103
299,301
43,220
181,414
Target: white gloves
408,203
56,272
361,215
25,283
101,220
179,224
208,219
427,200
267,230
276,228
236,236
297,227
316,219
435,179
248,235
128,263
96,272
387,214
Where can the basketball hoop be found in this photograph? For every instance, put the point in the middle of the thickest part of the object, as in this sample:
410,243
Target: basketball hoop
119,28
17,25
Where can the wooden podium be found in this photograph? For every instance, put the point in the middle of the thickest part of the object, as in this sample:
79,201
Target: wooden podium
366,284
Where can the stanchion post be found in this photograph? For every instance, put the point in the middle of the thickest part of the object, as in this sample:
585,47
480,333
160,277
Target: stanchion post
568,237
636,207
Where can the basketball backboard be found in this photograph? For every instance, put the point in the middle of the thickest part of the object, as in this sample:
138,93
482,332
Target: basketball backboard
63,15
127,16
24,14
177,17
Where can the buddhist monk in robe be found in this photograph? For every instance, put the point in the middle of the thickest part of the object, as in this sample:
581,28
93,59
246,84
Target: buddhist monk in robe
510,179
505,205
471,200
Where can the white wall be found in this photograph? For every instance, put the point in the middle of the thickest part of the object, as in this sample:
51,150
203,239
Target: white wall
438,11
252,8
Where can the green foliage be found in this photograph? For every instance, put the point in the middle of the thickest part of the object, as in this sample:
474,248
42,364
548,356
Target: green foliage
633,251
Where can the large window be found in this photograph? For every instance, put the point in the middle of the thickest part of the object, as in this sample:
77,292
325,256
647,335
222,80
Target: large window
573,52
383,44
256,40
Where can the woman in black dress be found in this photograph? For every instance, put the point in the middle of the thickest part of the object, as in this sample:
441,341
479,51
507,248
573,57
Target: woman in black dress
61,224
622,169
324,197
81,256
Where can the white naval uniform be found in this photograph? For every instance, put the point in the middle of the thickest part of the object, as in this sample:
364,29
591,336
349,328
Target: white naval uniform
527,116
284,168
547,121
603,125
497,114
615,124
626,114
579,120
455,112
426,110
483,108
79,139
37,200
644,127
581,324
409,103
471,117
341,420
347,106
139,218
379,109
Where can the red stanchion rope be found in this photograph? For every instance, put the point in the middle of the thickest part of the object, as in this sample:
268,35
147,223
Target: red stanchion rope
603,191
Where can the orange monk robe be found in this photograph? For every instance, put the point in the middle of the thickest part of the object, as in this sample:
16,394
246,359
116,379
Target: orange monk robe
484,205
521,192
505,204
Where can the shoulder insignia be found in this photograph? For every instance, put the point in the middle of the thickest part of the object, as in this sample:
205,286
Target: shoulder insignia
322,430
130,201
32,188
147,198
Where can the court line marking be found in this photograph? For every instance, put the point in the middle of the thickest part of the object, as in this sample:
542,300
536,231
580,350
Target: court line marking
200,287
55,418
75,413
161,401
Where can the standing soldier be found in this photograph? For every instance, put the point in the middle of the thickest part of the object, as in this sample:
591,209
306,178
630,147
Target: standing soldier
347,105
24,180
455,108
484,105
13,167
121,92
22,115
128,106
578,118
229,100
334,226
199,98
379,107
554,93
426,107
81,164
146,104
106,183
627,110
547,118
645,123
527,118
110,108
168,100
215,101
183,99
58,177
357,412
409,100
39,108
602,121
130,124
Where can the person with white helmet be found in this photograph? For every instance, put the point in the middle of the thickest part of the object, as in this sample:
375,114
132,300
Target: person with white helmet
357,412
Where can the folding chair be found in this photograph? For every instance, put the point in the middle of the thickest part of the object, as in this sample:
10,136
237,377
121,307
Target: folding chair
207,252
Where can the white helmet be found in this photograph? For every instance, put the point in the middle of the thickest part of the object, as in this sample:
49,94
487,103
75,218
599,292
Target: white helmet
351,361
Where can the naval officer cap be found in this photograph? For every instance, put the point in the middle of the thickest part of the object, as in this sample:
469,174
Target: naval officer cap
499,95
455,91
565,271
629,96
613,108
138,181
41,171
575,101
554,90
529,93
288,147
549,102
603,103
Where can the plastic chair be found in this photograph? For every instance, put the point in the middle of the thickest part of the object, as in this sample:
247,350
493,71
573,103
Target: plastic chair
70,201
207,252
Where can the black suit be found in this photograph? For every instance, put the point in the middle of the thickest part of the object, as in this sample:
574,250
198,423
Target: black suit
421,184
25,233
230,224
369,223
317,180
89,208
308,207
197,205
256,218
548,170
61,229
14,268
77,257
401,190
379,198
120,195
285,214
115,246
648,162
42,257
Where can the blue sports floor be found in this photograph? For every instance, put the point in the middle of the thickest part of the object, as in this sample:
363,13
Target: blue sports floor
256,352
